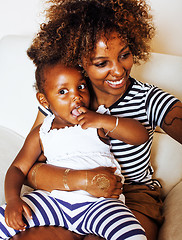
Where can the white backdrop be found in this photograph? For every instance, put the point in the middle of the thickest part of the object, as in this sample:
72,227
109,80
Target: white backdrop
23,17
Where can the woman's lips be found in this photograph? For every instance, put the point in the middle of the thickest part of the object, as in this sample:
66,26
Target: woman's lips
115,83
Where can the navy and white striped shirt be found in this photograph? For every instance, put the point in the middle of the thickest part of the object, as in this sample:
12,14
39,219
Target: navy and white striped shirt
149,105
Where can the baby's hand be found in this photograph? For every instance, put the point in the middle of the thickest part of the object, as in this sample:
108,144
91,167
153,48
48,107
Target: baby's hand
14,211
88,118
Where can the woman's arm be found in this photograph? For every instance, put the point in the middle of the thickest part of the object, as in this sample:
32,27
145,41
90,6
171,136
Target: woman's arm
172,123
39,120
49,177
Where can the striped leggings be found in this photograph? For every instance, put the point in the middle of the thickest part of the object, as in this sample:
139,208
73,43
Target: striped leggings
108,218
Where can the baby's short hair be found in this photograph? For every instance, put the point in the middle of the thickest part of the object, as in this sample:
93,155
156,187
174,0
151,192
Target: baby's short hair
40,75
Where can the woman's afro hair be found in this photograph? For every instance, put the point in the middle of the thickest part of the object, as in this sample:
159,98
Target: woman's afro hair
73,27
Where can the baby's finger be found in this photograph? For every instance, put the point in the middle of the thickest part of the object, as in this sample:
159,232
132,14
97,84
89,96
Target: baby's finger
27,211
82,110
115,196
7,221
17,224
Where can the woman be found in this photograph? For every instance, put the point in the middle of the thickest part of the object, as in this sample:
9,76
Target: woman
106,38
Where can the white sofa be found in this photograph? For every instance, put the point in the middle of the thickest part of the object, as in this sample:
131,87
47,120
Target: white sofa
19,107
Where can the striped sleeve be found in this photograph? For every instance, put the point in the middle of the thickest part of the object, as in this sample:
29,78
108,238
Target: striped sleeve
158,104
44,111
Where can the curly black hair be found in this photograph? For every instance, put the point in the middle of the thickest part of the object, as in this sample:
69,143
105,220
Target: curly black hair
73,28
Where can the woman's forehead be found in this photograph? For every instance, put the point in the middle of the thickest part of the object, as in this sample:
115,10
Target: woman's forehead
104,43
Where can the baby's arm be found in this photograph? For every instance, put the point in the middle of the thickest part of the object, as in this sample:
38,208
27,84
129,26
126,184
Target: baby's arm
15,177
128,130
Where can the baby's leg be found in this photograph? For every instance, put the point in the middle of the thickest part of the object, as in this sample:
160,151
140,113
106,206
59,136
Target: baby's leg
111,219
45,212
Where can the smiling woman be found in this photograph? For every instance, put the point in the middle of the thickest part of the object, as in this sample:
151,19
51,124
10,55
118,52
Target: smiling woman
109,69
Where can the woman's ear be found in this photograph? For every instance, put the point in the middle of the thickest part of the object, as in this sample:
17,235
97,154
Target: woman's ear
42,100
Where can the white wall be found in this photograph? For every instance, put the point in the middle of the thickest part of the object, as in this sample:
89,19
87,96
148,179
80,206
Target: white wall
19,16
168,20
22,17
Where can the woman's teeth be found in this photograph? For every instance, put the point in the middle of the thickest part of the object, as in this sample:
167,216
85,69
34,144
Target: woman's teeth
115,82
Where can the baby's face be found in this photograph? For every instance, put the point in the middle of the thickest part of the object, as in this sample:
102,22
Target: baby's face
66,90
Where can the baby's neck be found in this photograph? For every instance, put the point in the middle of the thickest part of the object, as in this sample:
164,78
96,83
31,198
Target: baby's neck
59,124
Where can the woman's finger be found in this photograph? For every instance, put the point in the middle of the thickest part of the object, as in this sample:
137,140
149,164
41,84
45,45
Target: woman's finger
118,178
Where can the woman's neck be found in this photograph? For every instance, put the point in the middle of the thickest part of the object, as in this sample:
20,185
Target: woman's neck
106,99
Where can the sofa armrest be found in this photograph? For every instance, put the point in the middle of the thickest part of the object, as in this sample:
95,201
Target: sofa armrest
171,228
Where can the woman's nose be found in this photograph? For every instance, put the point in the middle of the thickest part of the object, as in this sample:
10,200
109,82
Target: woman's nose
117,70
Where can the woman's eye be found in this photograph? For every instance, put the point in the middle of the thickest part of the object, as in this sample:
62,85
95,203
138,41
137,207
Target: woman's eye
63,91
82,86
100,64
125,55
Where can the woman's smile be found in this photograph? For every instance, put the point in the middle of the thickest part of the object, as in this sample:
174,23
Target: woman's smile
116,83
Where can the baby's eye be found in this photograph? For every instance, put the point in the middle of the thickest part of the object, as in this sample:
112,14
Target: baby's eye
63,91
82,86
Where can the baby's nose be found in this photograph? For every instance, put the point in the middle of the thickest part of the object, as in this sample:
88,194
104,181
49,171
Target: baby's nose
77,98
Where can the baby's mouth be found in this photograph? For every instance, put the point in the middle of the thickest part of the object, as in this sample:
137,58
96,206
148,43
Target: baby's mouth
75,112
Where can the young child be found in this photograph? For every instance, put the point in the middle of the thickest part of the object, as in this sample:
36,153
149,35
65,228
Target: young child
71,137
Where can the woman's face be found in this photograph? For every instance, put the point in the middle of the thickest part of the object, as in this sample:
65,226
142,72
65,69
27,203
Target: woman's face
109,68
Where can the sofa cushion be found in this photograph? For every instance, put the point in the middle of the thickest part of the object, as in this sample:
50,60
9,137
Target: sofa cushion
166,160
171,228
10,144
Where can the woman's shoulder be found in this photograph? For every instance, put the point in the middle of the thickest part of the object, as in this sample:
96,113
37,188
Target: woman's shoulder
137,83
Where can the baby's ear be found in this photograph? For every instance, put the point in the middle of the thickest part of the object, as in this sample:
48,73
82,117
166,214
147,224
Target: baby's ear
42,100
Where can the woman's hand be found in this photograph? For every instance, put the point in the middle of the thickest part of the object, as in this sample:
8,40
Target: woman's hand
102,182
13,214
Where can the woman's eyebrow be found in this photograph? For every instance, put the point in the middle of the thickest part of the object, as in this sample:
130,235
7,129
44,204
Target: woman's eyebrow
101,57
